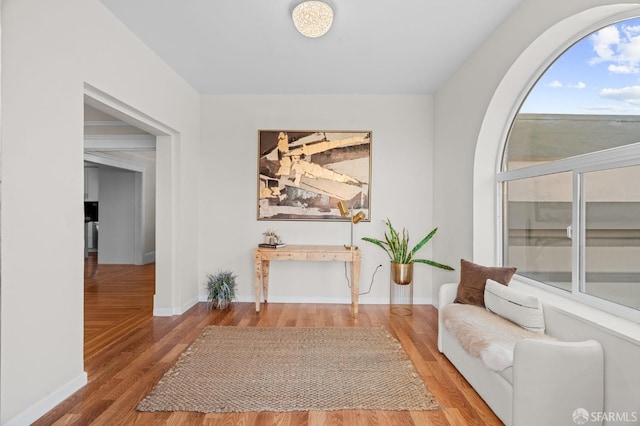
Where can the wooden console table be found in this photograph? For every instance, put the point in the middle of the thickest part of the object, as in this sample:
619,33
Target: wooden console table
262,257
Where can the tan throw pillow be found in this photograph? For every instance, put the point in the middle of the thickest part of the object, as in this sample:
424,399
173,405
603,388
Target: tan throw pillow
473,279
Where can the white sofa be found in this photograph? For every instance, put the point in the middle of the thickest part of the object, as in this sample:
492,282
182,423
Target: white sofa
549,383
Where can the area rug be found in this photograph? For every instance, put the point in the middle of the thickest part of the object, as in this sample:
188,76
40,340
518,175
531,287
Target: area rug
278,369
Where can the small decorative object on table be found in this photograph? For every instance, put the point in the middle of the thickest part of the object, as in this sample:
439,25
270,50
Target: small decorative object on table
222,289
275,245
271,238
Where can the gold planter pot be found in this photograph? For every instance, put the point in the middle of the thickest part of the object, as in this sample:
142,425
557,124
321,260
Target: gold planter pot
401,288
402,273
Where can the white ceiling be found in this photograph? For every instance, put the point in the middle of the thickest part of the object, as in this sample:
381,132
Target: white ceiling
252,47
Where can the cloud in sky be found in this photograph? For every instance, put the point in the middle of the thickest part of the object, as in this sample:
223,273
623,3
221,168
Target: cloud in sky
557,84
621,69
630,94
598,75
604,42
619,47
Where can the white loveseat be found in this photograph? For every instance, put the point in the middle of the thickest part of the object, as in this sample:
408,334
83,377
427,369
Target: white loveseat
549,382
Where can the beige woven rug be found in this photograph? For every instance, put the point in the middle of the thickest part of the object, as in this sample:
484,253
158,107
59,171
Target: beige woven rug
243,369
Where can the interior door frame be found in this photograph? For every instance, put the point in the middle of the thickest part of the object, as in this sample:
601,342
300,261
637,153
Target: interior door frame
167,152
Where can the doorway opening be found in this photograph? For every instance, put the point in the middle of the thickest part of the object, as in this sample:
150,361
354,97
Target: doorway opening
119,234
131,161
119,190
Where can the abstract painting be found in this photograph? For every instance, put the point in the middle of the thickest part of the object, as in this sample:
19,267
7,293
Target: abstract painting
302,175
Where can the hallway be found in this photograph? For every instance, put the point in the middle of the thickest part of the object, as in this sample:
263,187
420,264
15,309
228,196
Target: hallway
117,299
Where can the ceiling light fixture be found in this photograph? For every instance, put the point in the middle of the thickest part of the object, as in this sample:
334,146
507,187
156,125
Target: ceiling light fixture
312,18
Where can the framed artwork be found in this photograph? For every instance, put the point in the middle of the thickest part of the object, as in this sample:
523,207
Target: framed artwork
302,175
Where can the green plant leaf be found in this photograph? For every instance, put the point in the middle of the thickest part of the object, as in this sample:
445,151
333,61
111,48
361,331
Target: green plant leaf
379,244
424,241
435,264
397,247
221,288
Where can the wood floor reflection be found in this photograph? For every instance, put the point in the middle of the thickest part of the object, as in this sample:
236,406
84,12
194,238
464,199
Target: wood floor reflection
117,300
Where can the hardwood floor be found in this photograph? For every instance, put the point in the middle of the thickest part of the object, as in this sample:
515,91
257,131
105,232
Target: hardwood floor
127,351
117,300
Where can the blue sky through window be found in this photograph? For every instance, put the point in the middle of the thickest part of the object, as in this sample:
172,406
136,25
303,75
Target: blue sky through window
600,74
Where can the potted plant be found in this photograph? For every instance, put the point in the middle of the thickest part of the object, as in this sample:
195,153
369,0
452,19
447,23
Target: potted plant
222,289
402,258
272,237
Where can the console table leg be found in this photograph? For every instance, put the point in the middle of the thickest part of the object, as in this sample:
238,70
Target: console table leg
355,285
265,279
257,263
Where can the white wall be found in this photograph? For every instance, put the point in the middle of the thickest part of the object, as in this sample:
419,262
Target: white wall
49,51
473,110
401,189
116,237
145,163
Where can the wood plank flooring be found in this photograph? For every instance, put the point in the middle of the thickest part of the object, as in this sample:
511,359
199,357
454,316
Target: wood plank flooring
127,351
117,299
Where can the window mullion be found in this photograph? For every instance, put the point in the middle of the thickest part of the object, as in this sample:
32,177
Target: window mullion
578,242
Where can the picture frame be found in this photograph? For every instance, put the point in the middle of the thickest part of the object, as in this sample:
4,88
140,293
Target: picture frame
304,174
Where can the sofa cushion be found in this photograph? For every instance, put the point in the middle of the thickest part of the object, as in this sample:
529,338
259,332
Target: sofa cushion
484,335
473,279
514,305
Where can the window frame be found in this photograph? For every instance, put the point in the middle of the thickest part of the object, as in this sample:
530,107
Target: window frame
624,156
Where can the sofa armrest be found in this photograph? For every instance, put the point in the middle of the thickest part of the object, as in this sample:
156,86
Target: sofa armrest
446,296
552,379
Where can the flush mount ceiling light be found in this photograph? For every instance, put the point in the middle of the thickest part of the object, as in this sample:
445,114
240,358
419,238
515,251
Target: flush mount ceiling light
312,18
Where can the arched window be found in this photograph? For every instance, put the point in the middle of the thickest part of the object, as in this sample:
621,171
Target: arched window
570,175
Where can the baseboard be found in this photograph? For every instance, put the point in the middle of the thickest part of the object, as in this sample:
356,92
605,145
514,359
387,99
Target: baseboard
190,304
164,312
149,257
169,312
46,404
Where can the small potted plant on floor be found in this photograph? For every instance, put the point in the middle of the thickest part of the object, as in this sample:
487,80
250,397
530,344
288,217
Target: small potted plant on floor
222,289
402,258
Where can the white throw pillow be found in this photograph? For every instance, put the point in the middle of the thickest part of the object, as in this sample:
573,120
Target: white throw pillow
514,305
